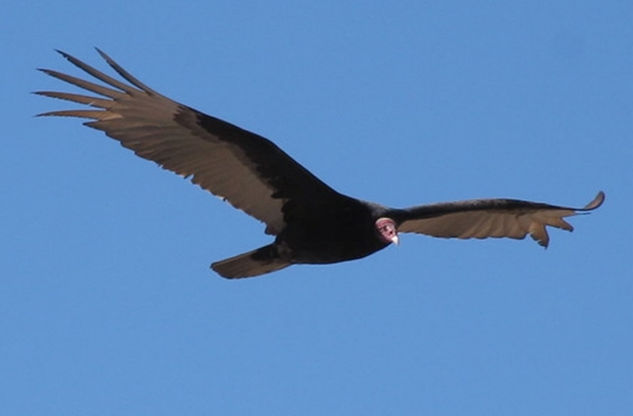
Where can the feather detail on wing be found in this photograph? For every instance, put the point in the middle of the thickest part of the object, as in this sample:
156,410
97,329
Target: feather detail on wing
496,218
247,170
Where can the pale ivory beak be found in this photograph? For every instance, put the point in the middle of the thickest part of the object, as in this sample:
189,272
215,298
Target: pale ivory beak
395,240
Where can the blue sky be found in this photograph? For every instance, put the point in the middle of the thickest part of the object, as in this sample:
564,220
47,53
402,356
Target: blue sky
108,305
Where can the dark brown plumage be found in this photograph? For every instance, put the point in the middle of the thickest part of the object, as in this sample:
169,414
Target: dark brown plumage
312,222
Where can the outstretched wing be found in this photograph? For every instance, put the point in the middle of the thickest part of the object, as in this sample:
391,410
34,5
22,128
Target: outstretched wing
483,218
247,170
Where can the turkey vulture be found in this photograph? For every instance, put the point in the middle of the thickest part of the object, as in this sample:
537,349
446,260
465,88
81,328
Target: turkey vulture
311,222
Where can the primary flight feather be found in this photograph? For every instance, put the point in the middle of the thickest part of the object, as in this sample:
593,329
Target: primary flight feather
312,223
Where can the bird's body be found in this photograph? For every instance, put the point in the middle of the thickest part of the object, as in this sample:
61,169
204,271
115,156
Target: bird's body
335,233
311,222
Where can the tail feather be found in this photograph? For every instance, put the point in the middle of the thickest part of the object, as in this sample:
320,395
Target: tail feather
253,263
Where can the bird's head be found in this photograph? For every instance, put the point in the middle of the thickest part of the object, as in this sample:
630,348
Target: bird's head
387,231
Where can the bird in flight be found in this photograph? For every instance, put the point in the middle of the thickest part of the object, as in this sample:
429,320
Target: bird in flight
312,223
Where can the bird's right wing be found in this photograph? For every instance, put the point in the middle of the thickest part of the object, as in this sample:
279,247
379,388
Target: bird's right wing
247,170
483,218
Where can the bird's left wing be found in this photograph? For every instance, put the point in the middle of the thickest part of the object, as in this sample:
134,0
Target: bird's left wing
247,170
483,218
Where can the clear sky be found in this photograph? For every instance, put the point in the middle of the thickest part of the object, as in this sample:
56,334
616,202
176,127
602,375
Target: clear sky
108,305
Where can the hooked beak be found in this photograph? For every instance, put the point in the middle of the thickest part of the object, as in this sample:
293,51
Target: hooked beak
395,240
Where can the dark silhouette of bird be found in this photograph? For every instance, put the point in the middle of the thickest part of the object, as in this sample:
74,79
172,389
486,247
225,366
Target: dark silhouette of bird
312,223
